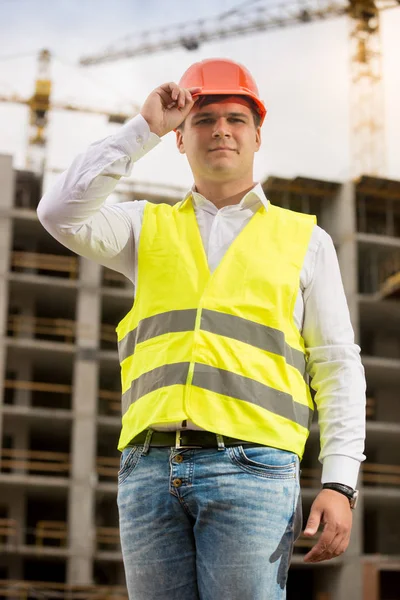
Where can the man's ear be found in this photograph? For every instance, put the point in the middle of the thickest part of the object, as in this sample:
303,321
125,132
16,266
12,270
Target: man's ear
179,142
258,138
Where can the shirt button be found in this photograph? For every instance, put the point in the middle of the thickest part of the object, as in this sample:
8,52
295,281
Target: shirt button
139,139
179,458
177,482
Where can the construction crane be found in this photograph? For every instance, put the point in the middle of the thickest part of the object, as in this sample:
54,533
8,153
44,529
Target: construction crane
367,108
39,106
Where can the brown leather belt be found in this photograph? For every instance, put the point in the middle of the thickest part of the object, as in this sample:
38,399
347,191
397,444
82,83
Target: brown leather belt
186,438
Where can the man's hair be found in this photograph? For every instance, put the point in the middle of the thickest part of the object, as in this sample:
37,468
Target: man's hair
206,100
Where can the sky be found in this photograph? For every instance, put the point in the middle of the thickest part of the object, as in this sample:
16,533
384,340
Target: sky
302,73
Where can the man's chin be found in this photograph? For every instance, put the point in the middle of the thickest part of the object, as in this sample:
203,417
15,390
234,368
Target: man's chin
222,167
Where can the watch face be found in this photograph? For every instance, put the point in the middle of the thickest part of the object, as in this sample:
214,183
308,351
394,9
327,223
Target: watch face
354,499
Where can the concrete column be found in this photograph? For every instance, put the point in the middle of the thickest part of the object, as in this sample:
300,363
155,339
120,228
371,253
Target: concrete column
350,581
24,373
7,185
83,451
341,215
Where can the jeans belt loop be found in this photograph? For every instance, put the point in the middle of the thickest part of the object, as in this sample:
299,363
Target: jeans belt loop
220,440
147,441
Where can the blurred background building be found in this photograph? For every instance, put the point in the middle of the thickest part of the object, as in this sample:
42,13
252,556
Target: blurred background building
60,407
59,370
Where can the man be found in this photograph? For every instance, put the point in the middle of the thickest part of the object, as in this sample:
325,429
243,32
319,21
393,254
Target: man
237,302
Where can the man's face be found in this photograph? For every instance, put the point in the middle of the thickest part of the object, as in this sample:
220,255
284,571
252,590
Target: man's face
220,140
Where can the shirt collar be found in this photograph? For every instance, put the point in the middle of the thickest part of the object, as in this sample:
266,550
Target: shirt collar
250,200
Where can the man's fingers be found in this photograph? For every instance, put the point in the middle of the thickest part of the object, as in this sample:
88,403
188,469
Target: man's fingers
171,88
169,93
172,95
342,547
329,549
182,98
313,522
168,106
339,545
194,90
166,97
322,546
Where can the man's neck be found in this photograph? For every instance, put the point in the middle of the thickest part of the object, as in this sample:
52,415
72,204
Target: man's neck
224,194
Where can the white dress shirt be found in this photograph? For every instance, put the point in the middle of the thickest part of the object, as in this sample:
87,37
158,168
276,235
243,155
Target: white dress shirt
74,212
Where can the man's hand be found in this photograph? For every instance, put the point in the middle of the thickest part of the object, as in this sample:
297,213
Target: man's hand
167,107
331,509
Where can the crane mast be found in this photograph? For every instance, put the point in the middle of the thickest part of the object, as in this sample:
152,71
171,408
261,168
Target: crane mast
39,105
367,111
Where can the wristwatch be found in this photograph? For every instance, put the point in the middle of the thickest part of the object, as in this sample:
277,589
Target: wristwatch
351,495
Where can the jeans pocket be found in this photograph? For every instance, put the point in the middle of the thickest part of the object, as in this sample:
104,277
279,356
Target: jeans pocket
129,459
264,461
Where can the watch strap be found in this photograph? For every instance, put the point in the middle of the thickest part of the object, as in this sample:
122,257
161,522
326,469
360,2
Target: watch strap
339,487
346,490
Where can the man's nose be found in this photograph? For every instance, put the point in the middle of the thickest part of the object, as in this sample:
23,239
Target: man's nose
221,129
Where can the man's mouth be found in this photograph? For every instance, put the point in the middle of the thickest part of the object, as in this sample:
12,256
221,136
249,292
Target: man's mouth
222,148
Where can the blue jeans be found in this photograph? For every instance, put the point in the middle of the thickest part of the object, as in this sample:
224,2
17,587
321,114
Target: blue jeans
214,524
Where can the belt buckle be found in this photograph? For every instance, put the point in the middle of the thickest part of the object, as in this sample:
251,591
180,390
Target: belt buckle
178,441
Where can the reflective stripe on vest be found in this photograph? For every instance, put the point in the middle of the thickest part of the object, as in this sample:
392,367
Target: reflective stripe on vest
260,336
221,382
220,349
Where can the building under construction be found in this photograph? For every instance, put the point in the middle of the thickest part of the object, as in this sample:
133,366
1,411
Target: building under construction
60,398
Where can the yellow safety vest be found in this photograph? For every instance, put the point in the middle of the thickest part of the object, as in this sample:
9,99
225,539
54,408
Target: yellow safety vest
220,349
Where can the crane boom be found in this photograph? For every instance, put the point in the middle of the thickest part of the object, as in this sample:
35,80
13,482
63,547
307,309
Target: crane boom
113,117
240,21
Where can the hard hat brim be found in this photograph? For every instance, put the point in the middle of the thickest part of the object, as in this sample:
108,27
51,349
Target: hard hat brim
235,92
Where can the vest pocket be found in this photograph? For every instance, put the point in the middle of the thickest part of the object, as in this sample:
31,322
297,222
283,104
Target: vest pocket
129,460
264,461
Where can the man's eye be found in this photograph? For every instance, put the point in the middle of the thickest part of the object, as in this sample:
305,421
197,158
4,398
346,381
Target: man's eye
236,119
204,121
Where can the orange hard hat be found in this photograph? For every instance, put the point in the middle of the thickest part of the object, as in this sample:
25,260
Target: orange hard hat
221,76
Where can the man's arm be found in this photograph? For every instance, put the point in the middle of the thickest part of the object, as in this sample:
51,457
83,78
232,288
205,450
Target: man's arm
338,379
73,210
335,367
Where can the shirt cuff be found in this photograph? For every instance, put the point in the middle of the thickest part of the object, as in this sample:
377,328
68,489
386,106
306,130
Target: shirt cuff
340,469
135,138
